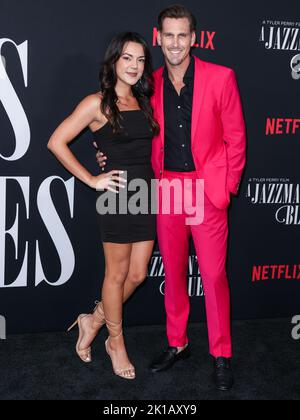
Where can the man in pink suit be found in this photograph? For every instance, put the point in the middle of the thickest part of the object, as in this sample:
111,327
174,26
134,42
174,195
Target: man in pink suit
197,105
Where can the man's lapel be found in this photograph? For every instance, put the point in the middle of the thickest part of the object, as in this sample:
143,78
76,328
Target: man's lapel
199,83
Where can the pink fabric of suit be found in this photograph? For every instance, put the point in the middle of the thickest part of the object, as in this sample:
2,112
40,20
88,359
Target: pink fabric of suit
219,152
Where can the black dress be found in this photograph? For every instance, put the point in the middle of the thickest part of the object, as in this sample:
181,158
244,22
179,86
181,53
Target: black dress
128,151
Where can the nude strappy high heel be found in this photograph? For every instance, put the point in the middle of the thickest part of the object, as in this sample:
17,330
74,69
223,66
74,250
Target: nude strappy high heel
98,322
115,330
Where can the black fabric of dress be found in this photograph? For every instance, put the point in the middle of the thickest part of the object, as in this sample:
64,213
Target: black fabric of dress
128,151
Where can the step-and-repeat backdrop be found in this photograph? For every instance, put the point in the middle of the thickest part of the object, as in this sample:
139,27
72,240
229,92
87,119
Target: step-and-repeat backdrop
51,257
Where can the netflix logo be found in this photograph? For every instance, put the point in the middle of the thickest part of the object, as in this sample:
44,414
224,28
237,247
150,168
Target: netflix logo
282,126
275,272
205,41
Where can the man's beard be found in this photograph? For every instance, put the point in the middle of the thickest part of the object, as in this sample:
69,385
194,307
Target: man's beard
175,62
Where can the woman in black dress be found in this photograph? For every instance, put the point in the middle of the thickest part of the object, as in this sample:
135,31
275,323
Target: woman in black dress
122,122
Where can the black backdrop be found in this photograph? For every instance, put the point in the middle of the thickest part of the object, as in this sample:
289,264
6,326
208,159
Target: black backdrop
51,259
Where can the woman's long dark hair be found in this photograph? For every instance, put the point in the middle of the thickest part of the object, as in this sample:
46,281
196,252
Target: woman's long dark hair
142,91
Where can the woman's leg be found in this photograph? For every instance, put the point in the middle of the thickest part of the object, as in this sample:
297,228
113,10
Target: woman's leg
139,260
117,263
140,255
115,291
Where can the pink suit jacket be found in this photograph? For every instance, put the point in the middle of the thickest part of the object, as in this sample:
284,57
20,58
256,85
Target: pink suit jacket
218,130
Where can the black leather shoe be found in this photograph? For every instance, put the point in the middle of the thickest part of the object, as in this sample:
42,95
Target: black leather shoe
167,359
223,376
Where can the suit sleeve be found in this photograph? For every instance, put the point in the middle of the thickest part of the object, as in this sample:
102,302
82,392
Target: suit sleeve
234,132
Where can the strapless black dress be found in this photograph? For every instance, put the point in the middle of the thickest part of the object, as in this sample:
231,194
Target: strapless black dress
128,151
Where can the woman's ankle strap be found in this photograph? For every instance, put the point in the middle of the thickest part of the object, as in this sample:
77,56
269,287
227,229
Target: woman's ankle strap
114,327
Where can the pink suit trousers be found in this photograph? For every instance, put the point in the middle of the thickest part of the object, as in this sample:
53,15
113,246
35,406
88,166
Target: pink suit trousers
210,240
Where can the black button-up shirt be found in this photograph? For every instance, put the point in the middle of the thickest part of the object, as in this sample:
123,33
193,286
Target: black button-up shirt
178,122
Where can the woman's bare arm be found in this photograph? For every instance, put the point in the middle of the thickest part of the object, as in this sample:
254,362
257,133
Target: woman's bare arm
87,112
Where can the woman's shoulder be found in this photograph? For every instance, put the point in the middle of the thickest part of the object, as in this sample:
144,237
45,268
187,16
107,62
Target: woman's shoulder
93,100
91,105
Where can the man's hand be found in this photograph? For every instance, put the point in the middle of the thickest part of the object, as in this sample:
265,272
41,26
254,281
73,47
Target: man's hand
100,157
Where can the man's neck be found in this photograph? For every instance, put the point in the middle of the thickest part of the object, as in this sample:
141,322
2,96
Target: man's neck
176,73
